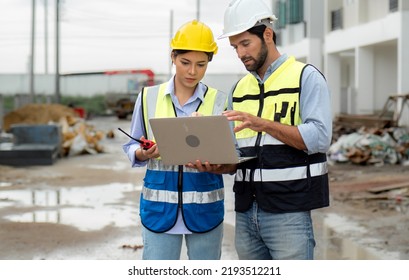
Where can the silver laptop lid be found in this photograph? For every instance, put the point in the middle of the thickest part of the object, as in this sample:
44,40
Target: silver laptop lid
185,139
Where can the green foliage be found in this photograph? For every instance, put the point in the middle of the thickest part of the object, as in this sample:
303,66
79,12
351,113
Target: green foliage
8,103
93,105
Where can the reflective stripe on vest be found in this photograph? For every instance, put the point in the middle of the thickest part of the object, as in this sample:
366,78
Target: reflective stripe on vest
266,139
188,197
199,195
284,178
284,174
279,100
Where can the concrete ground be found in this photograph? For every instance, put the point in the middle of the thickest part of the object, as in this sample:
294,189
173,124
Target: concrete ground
86,207
81,207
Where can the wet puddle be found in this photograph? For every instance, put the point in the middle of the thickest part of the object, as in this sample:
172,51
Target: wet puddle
86,208
348,242
93,208
5,184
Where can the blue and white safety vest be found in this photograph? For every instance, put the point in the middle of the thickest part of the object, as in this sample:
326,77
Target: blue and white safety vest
199,195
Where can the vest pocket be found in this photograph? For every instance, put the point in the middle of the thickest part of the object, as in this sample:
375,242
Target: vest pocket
154,177
147,207
153,197
295,186
283,157
213,209
201,182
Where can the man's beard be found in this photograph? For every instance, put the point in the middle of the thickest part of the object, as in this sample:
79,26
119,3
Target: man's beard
259,61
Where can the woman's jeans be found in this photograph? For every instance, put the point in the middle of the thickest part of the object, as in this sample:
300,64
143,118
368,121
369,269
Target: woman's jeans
261,235
200,246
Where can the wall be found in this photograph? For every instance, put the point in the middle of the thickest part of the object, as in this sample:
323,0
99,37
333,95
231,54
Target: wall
385,74
88,85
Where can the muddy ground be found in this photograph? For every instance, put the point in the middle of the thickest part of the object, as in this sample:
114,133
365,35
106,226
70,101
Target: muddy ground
86,207
365,221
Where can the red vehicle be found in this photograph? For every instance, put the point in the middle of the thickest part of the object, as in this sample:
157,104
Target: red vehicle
123,105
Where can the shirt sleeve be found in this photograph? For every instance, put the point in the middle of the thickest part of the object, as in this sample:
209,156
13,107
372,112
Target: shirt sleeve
137,130
315,108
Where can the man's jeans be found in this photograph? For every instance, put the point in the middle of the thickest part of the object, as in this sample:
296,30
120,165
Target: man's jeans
262,235
200,246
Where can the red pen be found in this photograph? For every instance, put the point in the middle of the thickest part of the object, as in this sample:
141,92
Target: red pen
145,144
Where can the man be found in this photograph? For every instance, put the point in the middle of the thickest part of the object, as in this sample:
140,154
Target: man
281,113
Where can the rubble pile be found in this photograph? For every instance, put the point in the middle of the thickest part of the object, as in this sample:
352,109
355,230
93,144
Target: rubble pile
372,146
78,137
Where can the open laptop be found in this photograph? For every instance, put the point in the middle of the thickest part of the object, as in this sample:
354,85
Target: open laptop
186,139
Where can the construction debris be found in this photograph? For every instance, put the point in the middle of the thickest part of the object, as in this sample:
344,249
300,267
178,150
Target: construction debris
78,137
133,247
387,197
379,146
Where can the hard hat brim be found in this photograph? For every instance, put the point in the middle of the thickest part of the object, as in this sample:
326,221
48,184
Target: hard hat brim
244,29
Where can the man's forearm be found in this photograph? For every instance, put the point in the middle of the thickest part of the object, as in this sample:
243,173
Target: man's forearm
285,133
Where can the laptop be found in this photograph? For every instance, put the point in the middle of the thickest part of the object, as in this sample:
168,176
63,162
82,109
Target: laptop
187,139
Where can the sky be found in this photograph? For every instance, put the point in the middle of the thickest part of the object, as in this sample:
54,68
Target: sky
100,35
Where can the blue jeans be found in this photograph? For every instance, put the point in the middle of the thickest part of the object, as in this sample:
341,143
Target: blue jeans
200,246
261,235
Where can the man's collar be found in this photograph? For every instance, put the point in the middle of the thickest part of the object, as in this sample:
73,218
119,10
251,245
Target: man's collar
271,68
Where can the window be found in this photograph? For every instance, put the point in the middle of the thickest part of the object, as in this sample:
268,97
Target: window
393,5
289,12
282,14
336,19
295,9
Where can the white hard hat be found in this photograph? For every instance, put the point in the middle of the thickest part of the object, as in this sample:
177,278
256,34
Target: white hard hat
242,15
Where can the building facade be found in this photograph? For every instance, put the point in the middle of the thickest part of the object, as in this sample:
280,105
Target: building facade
361,46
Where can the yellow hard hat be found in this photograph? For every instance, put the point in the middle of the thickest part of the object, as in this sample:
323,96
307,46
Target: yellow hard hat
194,36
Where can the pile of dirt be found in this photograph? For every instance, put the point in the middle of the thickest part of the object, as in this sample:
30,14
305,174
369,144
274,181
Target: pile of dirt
37,114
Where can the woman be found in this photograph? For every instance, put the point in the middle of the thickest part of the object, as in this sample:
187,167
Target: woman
179,202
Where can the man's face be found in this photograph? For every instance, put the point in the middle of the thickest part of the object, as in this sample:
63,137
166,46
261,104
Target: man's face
251,50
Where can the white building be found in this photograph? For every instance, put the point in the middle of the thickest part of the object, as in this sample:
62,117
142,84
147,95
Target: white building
361,46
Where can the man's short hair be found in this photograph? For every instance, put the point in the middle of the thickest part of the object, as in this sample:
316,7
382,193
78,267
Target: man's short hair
258,30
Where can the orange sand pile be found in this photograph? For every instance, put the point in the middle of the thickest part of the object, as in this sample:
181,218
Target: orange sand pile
37,114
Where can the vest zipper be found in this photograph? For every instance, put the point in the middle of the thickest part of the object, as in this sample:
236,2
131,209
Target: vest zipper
258,139
180,186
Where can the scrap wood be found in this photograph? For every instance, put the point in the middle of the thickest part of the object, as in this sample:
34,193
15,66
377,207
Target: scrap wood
396,198
359,121
389,187
367,196
133,247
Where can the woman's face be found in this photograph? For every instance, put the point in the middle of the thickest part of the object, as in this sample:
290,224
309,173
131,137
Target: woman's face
190,67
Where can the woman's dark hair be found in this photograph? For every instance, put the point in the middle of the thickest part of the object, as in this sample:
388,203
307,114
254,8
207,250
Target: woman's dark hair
176,52
259,30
